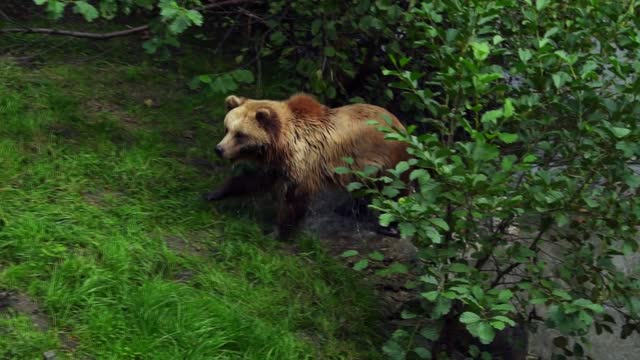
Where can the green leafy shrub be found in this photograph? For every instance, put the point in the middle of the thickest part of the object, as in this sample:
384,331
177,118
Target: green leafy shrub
526,191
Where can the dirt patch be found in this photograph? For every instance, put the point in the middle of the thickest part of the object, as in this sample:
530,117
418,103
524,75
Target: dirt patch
99,107
63,130
183,275
23,304
17,302
188,247
194,246
100,198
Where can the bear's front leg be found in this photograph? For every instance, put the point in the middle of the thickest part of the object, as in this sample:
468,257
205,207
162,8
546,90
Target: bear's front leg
294,204
242,185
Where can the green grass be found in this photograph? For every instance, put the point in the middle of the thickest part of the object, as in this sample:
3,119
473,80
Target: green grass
100,220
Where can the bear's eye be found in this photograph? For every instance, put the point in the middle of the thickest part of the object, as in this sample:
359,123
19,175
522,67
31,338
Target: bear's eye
241,136
226,129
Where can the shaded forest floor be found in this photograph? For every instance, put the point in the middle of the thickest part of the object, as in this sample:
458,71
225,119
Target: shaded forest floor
107,251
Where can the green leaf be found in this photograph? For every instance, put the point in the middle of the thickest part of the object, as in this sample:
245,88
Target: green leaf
395,268
505,295
439,223
474,351
390,191
430,332
419,174
619,132
329,51
361,265
394,350
541,4
195,17
503,307
468,317
349,253
480,50
429,279
386,219
507,162
376,255
56,8
588,305
525,55
483,331
179,24
459,268
633,181
402,166
406,229
370,170
243,76
87,10
278,38
491,116
430,295
561,294
505,319
443,307
433,234
485,152
315,26
508,138
342,170
354,186
507,109
560,78
422,353
405,314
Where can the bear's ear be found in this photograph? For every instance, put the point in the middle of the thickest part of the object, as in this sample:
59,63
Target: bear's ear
232,102
263,115
268,120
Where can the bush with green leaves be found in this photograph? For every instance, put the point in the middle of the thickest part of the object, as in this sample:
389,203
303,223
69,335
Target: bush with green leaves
527,185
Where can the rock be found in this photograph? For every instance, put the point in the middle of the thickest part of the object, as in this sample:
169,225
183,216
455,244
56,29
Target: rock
401,250
50,355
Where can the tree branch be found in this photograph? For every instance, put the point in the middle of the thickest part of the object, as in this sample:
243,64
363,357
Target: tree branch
109,35
79,34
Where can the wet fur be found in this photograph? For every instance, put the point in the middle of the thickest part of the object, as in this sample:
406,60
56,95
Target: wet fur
303,142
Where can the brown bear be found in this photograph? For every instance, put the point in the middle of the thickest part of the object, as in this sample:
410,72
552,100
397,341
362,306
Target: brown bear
300,142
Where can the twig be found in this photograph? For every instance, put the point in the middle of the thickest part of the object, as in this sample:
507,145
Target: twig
500,274
108,35
79,34
9,19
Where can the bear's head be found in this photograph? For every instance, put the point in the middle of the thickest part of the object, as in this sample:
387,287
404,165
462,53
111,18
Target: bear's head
250,128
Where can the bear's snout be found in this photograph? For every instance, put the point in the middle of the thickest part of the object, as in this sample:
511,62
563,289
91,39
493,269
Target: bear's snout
219,150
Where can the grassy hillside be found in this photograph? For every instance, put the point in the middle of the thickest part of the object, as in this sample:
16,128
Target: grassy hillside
106,250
